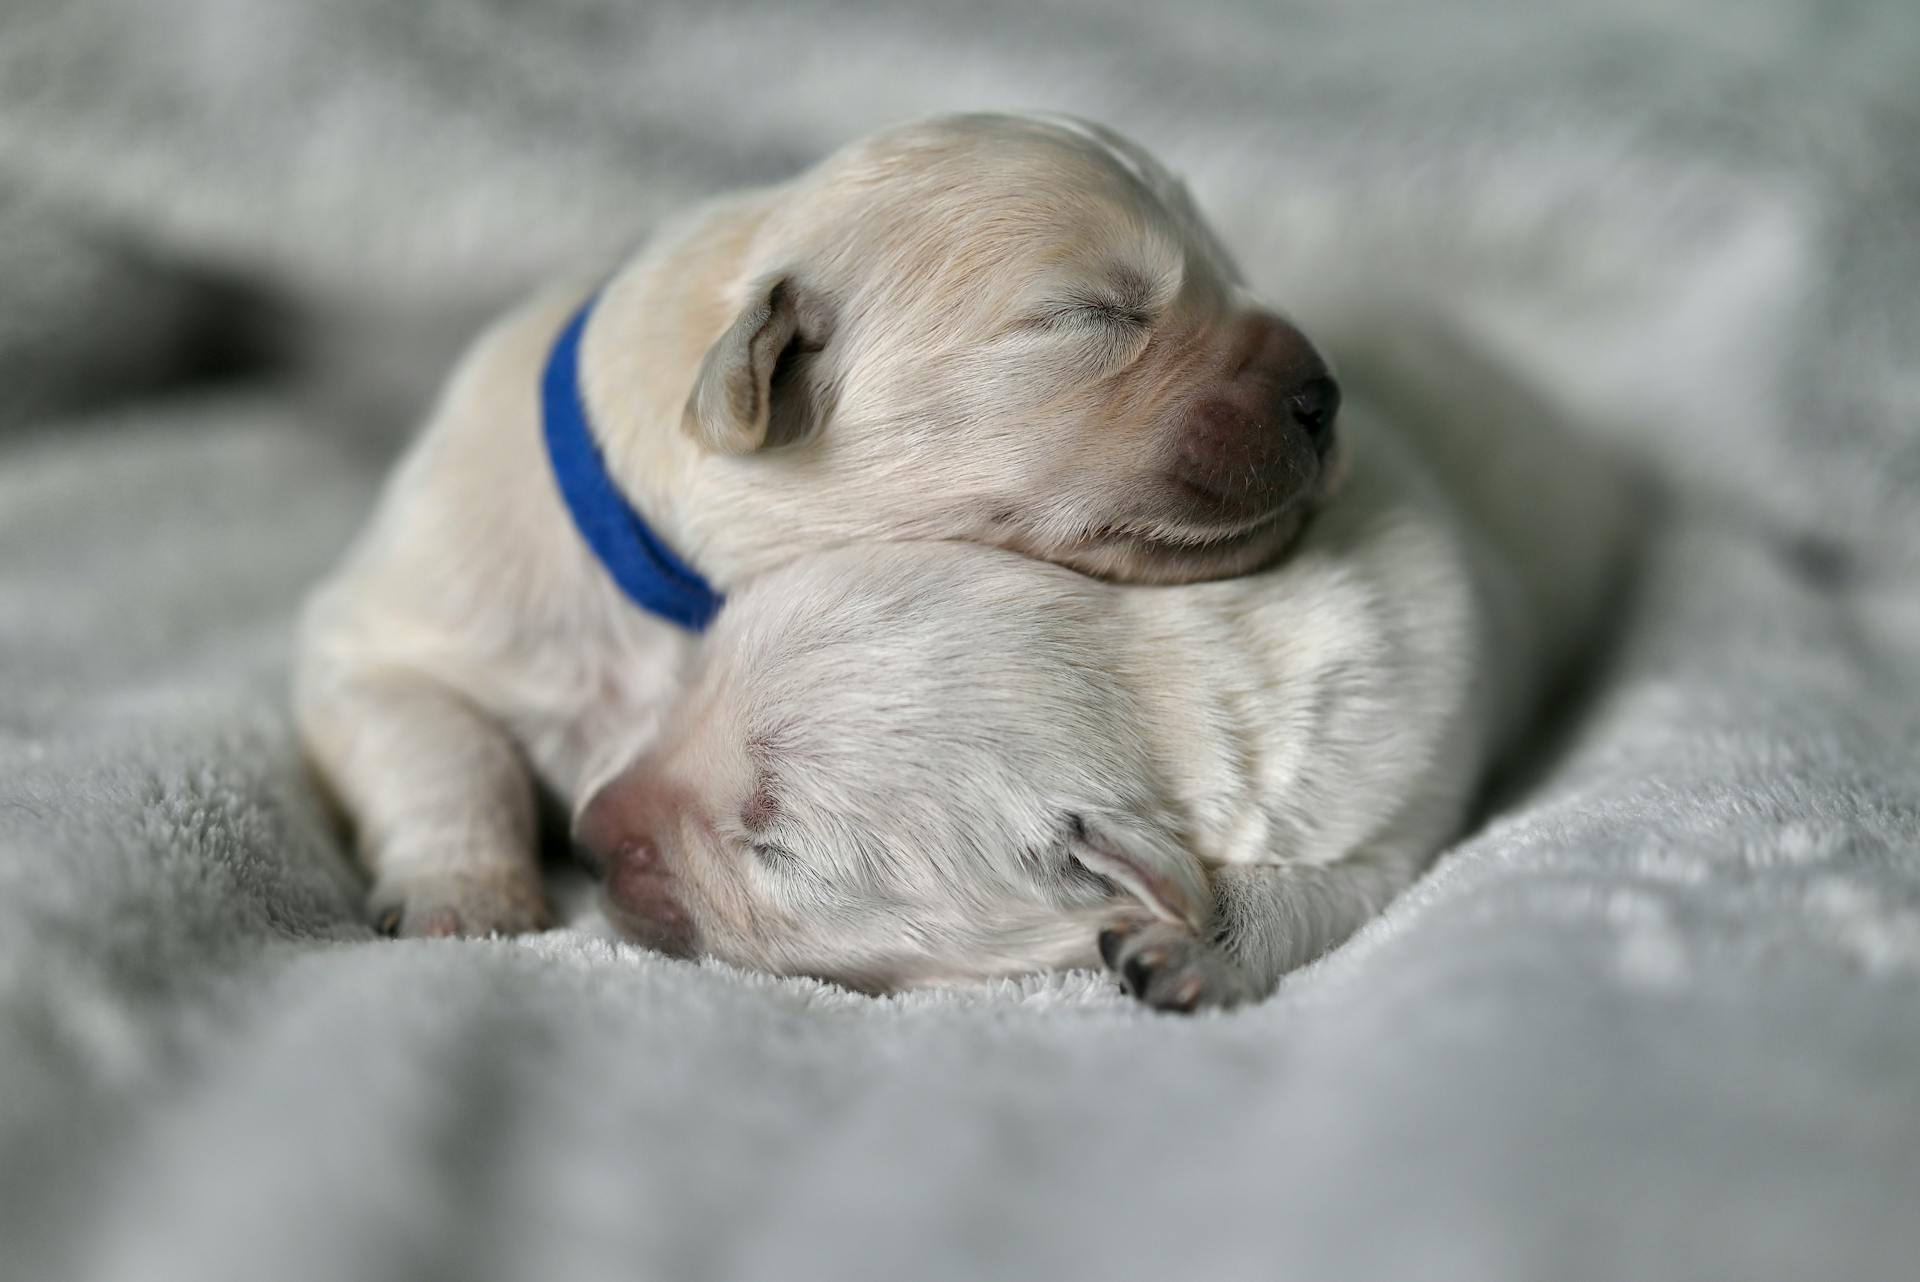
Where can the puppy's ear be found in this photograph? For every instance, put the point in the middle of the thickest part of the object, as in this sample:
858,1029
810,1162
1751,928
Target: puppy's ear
753,388
1148,862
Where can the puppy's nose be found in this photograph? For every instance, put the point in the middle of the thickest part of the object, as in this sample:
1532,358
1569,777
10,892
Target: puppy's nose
617,832
643,893
1274,356
1314,405
636,859
1254,439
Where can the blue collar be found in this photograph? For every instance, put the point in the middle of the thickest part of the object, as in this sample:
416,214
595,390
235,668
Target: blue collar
639,560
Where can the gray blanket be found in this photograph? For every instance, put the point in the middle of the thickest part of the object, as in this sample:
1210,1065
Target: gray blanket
1654,1018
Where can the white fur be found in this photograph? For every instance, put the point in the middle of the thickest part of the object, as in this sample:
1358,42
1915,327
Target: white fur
894,757
936,388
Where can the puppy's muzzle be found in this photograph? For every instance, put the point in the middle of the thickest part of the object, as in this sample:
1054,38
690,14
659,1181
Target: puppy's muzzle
1254,440
642,894
615,835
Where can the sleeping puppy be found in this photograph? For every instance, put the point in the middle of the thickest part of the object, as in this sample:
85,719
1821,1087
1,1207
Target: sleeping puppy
899,765
1010,331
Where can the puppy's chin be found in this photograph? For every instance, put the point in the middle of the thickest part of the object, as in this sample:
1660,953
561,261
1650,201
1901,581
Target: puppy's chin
1125,554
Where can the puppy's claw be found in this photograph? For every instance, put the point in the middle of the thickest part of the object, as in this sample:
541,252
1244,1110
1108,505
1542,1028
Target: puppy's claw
442,923
1167,968
455,905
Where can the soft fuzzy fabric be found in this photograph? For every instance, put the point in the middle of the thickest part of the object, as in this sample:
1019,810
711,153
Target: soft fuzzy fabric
1655,1019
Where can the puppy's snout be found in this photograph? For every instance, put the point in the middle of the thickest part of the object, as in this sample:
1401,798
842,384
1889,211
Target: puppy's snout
642,890
1279,361
617,834
1254,440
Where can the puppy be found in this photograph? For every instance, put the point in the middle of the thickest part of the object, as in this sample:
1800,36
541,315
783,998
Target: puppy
1011,331
900,765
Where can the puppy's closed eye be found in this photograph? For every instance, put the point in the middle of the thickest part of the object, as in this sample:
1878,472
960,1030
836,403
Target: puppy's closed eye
773,856
1104,310
785,873
1089,335
1122,303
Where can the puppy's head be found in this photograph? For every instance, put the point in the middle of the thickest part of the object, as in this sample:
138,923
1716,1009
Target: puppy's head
1016,331
894,769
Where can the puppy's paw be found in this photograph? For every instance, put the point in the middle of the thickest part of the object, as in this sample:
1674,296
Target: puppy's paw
461,904
1168,968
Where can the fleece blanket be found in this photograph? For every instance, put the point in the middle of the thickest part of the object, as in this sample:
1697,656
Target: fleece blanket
1656,1016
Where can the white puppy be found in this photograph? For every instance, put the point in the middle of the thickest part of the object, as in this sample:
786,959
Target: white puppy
1006,330
905,764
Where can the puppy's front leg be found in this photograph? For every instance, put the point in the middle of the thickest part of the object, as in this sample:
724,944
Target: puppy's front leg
1266,920
442,802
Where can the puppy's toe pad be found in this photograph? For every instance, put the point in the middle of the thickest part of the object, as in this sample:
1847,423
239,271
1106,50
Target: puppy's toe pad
464,904
1167,968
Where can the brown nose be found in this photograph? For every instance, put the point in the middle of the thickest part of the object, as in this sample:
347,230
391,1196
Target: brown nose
640,890
616,834
1253,440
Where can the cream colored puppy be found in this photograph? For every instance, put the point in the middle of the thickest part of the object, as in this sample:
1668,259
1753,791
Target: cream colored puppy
1011,331
905,764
